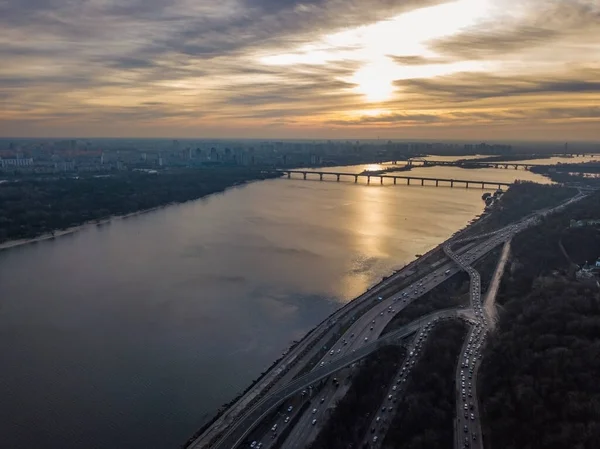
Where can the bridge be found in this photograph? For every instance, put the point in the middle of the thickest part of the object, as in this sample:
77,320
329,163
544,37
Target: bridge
409,179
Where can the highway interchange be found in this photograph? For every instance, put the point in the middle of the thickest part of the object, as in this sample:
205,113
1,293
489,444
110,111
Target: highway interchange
280,395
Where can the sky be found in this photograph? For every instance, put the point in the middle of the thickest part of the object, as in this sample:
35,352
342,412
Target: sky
427,69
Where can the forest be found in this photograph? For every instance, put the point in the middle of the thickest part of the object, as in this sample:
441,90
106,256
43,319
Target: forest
31,207
539,377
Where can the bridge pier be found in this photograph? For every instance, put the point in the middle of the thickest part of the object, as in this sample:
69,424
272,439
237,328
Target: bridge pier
338,178
321,176
483,185
437,182
452,183
355,179
395,179
381,180
422,181
304,173
289,174
467,185
408,181
368,180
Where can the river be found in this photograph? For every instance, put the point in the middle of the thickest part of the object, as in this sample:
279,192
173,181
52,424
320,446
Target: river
130,335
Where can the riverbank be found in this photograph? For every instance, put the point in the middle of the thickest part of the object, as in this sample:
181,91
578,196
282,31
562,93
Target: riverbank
73,229
35,211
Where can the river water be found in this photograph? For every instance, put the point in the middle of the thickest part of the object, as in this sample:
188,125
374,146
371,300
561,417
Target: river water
131,335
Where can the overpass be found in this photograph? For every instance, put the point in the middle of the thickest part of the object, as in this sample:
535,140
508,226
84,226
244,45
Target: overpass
306,174
242,428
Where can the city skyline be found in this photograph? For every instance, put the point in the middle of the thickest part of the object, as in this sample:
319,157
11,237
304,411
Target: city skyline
433,69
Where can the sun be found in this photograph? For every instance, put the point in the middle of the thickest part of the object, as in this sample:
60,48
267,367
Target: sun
375,81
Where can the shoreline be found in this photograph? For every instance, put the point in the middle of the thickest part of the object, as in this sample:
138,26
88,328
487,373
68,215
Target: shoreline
74,229
9,244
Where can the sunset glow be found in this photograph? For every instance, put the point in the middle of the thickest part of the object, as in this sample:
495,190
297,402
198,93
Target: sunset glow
258,68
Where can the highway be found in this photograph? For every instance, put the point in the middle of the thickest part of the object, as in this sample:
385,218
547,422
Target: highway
467,419
386,410
369,326
363,336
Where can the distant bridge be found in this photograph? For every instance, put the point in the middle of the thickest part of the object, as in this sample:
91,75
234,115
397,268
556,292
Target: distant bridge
438,182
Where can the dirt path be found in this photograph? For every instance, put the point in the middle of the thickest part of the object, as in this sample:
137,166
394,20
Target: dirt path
489,304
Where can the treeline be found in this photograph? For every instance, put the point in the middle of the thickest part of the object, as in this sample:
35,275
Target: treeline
424,414
539,378
36,206
520,200
349,422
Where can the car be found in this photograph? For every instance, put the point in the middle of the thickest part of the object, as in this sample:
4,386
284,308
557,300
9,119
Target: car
375,439
366,338
290,408
466,407
253,444
394,388
322,400
383,409
287,419
377,419
466,415
274,428
314,421
372,429
389,396
259,445
472,417
314,411
371,328
322,363
466,429
331,353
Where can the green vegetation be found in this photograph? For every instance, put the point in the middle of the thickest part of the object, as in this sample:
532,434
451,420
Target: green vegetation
539,377
349,422
424,416
31,207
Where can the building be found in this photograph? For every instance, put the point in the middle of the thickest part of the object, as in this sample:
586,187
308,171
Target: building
16,162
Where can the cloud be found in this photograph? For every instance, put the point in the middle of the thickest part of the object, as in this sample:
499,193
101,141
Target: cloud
200,65
399,118
418,60
467,87
482,44
523,25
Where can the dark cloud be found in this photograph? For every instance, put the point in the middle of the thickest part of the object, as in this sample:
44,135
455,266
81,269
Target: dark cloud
418,60
400,118
477,86
481,44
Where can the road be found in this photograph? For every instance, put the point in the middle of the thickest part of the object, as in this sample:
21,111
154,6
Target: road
386,410
370,326
489,304
357,340
283,371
